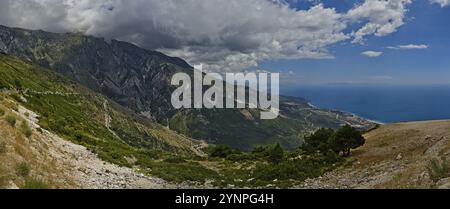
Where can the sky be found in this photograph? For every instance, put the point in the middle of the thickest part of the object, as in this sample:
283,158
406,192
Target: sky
308,41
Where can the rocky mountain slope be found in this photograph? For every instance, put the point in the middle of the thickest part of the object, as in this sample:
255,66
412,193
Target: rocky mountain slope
138,79
404,155
105,143
44,160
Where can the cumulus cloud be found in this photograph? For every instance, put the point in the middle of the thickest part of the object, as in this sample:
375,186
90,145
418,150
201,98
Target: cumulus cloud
223,35
372,53
382,17
409,46
443,3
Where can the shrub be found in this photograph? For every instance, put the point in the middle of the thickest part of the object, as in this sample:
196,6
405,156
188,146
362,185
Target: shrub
23,169
276,154
2,112
16,97
175,160
2,147
26,130
181,172
438,170
34,183
222,151
11,119
3,181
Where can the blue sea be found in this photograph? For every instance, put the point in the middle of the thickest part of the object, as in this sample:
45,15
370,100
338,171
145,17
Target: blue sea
385,104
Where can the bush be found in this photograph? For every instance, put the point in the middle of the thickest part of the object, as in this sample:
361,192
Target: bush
17,97
34,183
181,172
2,112
11,119
438,170
222,151
26,130
276,154
2,147
175,160
23,169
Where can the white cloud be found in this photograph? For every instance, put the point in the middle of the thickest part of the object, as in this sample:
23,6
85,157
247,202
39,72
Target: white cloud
443,3
409,46
372,53
382,17
224,35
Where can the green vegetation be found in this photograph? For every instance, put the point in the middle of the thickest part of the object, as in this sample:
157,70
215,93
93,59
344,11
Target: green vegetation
23,169
347,138
25,129
78,115
341,141
2,112
34,183
222,151
276,154
11,119
438,169
180,172
272,166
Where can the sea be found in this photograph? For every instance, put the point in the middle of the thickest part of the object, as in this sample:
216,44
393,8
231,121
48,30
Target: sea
381,103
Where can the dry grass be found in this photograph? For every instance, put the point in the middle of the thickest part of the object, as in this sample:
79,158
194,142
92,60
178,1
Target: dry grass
398,156
26,162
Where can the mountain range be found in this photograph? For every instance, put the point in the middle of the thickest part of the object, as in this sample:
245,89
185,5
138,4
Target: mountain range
138,80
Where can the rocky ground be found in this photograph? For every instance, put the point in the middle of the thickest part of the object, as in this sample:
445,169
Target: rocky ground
395,156
63,164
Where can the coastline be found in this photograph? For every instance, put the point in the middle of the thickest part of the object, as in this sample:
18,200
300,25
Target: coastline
353,114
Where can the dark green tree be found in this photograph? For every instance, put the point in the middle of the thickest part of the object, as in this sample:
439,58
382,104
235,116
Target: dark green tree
276,154
17,84
319,140
221,150
345,139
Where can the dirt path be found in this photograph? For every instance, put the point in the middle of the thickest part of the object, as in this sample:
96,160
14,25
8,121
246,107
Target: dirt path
84,167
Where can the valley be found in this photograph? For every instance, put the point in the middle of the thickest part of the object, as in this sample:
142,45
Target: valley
80,112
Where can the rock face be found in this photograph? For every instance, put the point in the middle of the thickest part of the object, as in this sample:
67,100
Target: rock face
139,79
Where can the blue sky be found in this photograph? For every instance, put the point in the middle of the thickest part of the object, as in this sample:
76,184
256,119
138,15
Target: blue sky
425,24
296,37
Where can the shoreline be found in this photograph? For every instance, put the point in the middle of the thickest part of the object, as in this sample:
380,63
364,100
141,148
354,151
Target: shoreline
353,114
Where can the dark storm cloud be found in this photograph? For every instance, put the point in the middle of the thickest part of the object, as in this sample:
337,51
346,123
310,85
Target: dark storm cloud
225,35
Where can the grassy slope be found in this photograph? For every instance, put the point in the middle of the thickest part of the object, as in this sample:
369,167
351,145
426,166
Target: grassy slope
77,114
397,156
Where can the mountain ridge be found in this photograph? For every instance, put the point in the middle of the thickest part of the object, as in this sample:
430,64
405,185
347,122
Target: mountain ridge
139,79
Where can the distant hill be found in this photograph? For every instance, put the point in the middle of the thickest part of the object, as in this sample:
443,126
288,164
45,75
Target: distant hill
138,79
